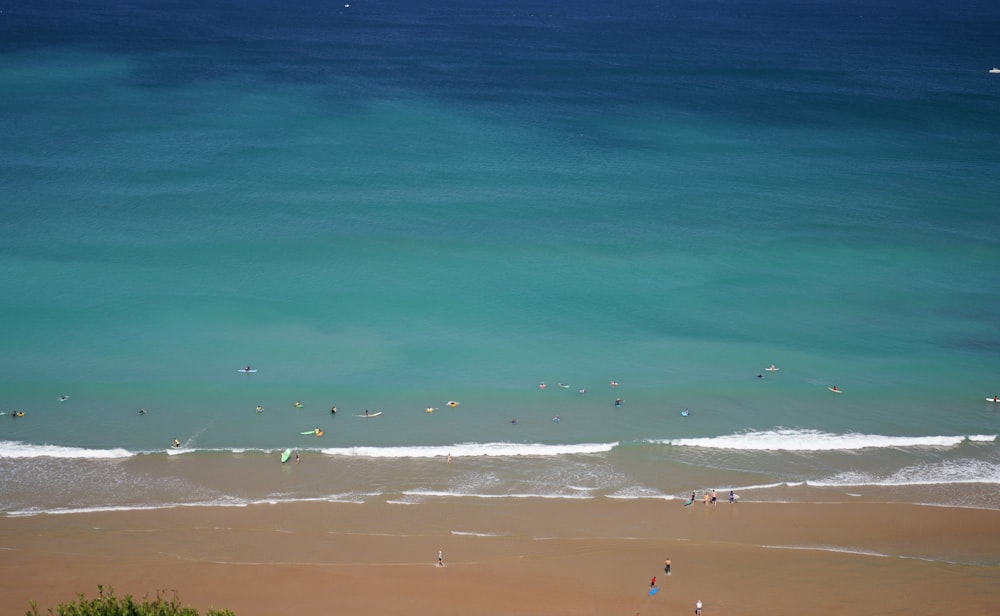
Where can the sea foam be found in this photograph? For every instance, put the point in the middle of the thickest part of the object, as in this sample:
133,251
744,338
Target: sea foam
472,449
17,449
787,439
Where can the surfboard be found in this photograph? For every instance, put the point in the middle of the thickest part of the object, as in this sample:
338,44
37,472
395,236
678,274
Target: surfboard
453,403
654,590
245,371
772,369
285,455
993,400
370,415
685,413
836,391
689,501
307,433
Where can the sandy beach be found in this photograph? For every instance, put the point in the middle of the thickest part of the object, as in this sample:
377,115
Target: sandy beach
516,557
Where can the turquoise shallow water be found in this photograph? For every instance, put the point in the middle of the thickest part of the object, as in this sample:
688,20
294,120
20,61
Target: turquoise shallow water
391,207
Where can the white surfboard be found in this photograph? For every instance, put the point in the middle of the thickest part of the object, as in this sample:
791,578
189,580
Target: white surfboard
836,391
993,400
370,415
245,371
772,369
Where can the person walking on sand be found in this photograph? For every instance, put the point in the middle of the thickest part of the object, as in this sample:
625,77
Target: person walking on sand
666,566
440,558
697,608
732,497
297,457
652,582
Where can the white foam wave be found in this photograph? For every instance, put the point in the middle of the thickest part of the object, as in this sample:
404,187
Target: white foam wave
471,450
639,492
925,473
449,494
347,497
17,449
469,533
827,548
786,439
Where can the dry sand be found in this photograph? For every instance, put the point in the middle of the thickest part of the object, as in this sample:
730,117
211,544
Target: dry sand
516,557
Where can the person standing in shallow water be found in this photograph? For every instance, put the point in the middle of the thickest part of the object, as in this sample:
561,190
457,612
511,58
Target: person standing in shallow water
440,558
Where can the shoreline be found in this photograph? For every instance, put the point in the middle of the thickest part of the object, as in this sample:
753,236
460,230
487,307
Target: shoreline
508,556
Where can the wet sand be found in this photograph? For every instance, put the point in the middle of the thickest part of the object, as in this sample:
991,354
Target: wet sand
516,557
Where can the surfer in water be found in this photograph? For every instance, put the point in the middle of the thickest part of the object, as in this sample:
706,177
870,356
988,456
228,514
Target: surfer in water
176,444
333,410
618,402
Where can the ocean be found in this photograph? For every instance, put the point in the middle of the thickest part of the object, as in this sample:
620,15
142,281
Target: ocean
387,206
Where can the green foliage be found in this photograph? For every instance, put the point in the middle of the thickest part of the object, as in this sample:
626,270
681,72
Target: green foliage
110,605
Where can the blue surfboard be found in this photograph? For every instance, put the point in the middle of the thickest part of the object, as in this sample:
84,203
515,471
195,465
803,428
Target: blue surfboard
654,590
